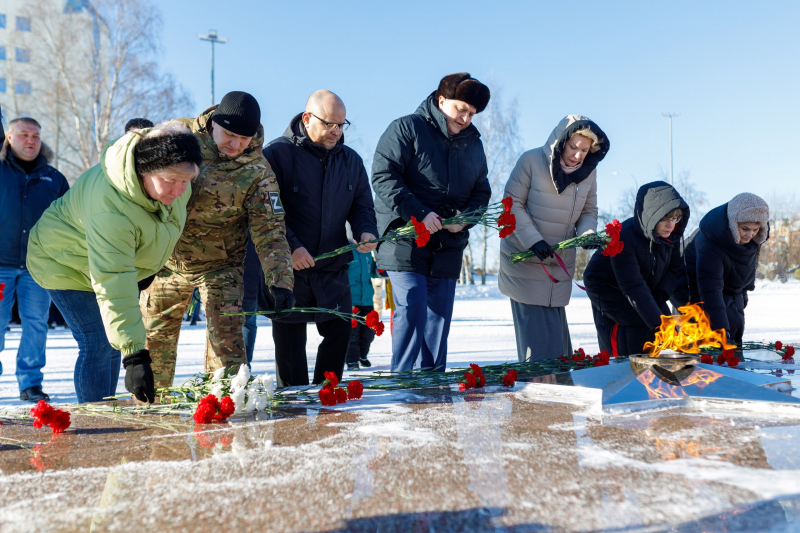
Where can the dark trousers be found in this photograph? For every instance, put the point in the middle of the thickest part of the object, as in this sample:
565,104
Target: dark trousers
423,310
290,350
360,338
629,340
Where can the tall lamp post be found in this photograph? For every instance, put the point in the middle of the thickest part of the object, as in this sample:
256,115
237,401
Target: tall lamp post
212,38
670,116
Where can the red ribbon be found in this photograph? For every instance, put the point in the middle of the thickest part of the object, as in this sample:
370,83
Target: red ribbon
564,268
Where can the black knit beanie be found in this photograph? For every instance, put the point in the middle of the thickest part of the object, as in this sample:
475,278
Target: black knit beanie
462,86
154,153
238,112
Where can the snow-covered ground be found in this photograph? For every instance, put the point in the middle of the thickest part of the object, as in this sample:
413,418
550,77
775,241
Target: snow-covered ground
482,332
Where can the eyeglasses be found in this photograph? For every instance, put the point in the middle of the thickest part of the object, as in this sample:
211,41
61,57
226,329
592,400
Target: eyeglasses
674,220
330,126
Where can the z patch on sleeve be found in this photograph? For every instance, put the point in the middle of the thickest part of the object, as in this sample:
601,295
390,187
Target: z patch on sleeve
275,202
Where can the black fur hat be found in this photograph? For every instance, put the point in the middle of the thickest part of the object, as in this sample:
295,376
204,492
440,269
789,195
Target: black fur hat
462,86
161,151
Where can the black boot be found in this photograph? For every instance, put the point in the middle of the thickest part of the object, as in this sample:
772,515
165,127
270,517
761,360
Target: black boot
352,366
33,394
365,362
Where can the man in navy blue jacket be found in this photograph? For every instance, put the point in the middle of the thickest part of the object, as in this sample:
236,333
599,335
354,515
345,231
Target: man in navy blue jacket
323,185
28,185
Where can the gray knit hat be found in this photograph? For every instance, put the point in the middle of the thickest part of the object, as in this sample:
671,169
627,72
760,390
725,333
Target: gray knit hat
747,207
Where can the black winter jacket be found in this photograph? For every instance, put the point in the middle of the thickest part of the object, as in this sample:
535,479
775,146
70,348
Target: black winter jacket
717,272
320,191
632,288
419,168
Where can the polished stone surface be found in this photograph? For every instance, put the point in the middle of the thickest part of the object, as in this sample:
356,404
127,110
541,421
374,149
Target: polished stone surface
419,461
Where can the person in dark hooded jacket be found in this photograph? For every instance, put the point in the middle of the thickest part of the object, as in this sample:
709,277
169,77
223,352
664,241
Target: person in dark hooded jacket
323,185
629,292
720,259
429,165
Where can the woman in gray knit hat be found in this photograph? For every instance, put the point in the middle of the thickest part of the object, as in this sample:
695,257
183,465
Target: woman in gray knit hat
720,259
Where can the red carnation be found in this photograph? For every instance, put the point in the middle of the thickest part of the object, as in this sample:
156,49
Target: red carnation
340,394
212,410
2,289
353,321
507,224
778,345
476,369
462,386
354,390
707,359
601,359
509,378
374,323
481,380
470,380
733,361
423,235
45,415
331,378
226,407
327,396
788,353
615,245
507,203
721,359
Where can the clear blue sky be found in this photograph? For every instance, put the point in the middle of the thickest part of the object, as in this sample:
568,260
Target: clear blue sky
732,69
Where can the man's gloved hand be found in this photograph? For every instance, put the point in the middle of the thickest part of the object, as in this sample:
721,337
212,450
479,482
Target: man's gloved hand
139,376
542,250
284,299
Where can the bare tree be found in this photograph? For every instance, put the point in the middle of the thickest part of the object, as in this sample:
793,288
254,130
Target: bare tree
98,70
498,125
779,257
692,195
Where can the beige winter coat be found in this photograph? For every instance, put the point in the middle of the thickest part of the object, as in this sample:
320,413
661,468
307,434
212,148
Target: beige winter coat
549,205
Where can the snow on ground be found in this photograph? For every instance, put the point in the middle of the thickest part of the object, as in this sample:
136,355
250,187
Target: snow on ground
482,332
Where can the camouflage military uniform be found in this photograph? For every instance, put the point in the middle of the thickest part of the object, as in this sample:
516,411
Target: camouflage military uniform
229,196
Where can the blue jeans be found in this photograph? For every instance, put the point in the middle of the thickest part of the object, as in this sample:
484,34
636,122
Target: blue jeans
249,332
423,309
34,309
97,367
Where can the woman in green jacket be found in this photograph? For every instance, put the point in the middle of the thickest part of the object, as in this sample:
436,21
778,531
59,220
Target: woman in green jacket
96,247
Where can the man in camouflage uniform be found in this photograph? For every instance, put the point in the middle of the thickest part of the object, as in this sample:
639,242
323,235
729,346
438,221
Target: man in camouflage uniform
235,190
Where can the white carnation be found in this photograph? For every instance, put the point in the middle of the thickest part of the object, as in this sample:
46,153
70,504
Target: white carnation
262,401
252,398
268,380
238,399
241,379
218,375
218,391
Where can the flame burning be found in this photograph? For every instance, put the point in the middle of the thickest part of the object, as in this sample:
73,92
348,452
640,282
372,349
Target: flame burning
687,333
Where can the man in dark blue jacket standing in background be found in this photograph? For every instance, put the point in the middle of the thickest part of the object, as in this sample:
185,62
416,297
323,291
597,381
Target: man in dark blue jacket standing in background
323,185
28,185
429,165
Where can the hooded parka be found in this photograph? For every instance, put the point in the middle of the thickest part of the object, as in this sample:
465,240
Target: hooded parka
718,271
105,235
632,288
552,206
419,168
321,191
23,199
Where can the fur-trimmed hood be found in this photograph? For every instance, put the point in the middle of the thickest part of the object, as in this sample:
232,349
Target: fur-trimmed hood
44,151
747,207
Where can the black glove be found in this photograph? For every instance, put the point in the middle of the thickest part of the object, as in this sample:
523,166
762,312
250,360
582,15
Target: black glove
284,299
139,376
591,247
542,250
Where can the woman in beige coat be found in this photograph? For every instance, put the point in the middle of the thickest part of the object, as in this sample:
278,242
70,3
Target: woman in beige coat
555,198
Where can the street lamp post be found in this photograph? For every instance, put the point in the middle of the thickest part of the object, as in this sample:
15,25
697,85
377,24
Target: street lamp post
212,38
670,115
